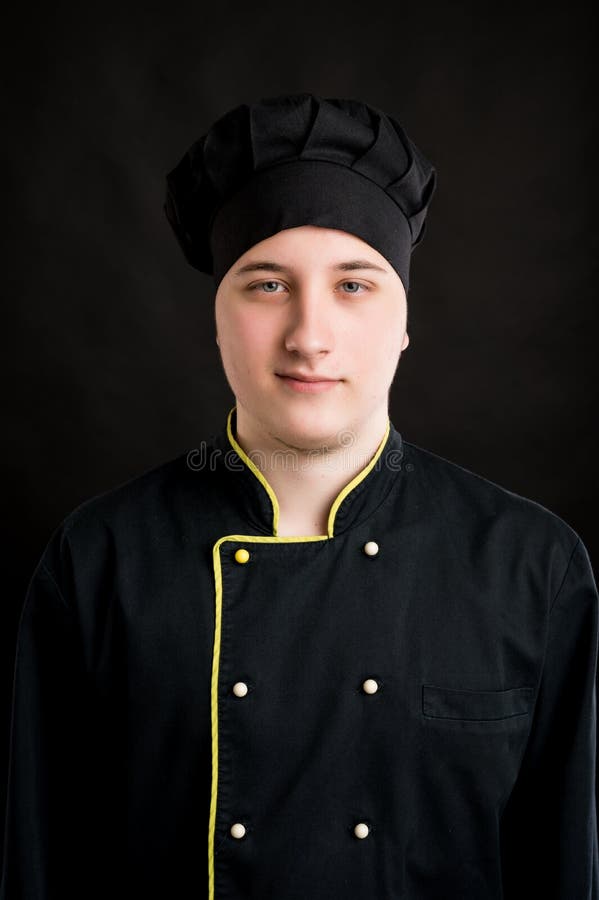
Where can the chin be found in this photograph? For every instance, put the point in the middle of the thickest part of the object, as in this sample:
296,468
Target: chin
310,430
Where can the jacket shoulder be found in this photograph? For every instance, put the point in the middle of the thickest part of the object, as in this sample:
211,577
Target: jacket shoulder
464,496
147,505
129,496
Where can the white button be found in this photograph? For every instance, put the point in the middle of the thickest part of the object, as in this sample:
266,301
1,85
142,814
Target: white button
370,686
238,830
361,830
371,548
240,689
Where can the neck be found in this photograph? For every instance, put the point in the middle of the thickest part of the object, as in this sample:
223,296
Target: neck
306,482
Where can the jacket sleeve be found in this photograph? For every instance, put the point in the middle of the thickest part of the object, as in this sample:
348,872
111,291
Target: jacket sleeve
46,835
549,824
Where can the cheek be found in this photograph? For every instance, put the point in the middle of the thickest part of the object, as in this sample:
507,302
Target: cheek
244,341
379,341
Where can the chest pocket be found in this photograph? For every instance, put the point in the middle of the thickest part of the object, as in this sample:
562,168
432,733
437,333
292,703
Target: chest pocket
475,706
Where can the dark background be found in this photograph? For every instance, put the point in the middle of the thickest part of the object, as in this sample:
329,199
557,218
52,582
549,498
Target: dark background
110,361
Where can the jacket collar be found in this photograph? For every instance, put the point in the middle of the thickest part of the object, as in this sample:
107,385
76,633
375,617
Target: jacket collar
257,502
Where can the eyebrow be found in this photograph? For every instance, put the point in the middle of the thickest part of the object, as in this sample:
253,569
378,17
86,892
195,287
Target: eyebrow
349,266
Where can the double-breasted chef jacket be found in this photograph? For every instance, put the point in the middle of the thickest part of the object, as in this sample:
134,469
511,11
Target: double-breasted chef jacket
400,709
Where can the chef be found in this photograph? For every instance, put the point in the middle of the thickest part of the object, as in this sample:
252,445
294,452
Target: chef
306,660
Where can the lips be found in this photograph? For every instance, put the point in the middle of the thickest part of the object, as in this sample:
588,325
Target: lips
298,376
307,384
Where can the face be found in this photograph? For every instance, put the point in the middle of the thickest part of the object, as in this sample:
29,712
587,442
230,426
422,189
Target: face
310,334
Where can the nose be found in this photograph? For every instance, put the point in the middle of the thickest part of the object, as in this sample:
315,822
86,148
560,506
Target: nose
309,332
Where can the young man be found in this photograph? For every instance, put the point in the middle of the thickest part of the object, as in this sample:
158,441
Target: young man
310,660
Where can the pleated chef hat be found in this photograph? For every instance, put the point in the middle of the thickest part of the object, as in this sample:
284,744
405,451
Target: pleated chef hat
293,160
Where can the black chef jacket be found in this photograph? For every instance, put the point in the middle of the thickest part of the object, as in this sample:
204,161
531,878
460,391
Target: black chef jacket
308,719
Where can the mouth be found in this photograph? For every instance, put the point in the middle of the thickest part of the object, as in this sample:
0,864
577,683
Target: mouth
308,384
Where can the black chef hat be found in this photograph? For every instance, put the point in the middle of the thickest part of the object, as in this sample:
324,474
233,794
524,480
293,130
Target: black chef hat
299,160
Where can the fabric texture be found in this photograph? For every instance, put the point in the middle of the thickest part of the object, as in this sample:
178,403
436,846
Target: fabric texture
472,765
296,160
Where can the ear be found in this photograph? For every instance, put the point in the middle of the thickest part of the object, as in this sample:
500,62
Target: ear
406,341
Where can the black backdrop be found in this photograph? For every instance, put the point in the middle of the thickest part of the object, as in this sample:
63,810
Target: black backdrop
110,361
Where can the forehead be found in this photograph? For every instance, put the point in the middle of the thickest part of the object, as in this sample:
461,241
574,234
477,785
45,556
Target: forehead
310,246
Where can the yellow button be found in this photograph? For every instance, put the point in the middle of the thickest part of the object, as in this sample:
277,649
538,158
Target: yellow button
241,555
240,688
370,686
361,830
238,830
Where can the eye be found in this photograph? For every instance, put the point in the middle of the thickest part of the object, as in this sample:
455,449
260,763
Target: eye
270,287
261,285
355,284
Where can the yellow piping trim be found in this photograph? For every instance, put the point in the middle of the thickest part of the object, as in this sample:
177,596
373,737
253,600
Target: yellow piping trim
354,482
214,721
245,538
253,468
